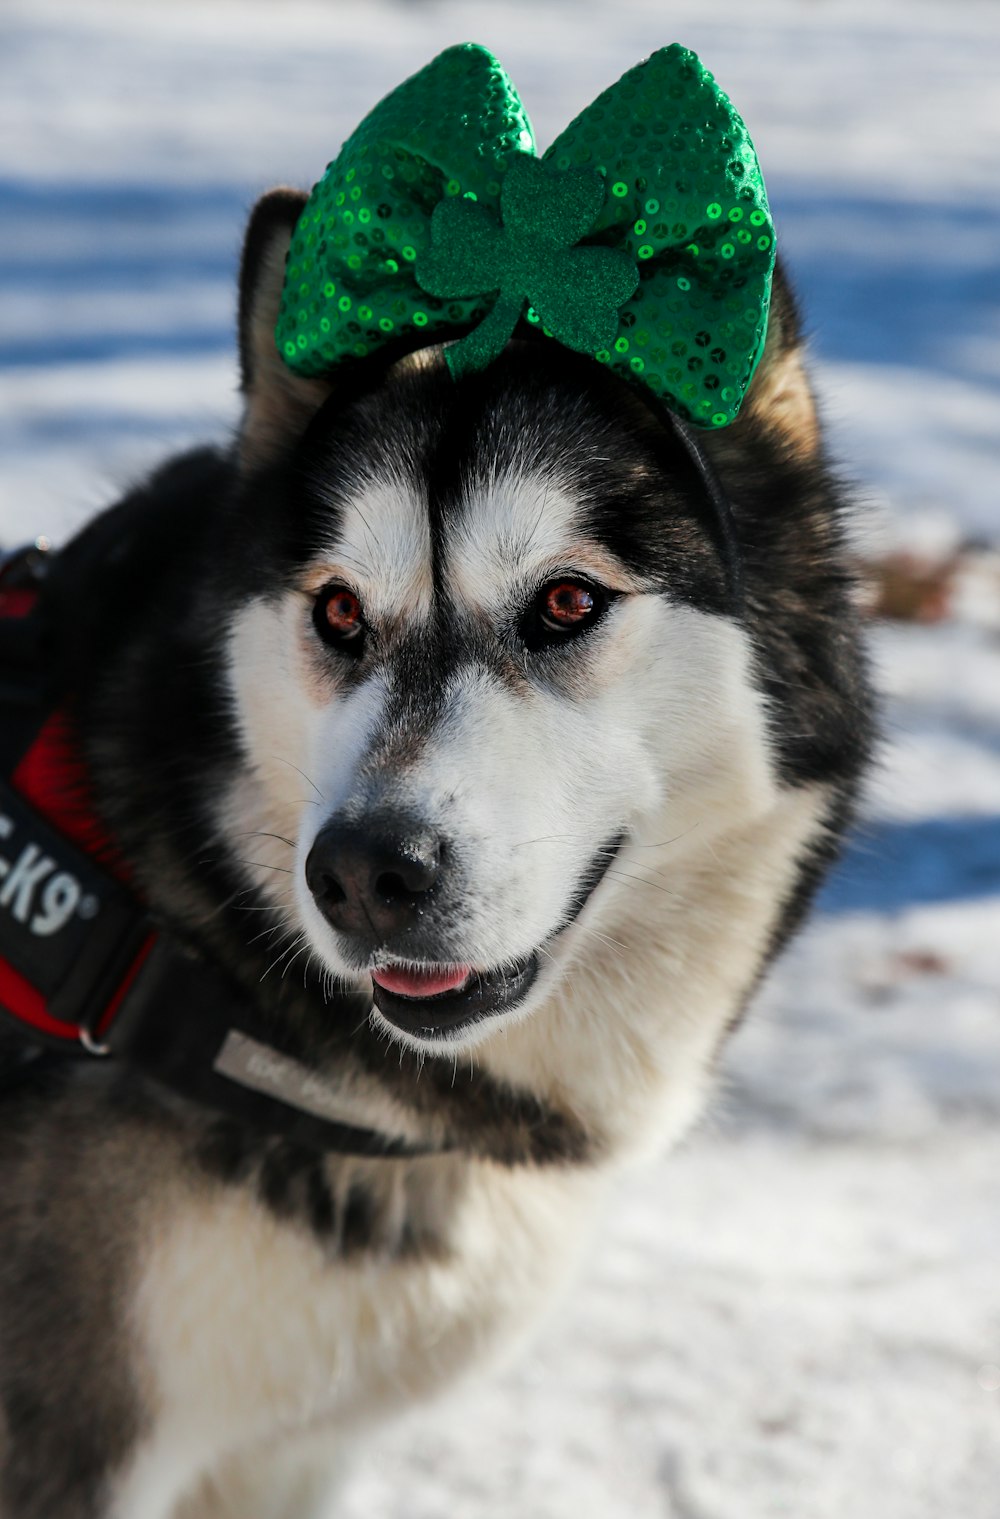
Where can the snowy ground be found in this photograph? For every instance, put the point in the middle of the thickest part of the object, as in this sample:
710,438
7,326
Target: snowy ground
799,1315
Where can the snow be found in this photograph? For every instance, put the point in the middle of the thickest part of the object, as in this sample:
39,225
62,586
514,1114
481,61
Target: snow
799,1313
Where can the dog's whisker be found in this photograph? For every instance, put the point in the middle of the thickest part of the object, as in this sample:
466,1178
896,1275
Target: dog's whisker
575,838
308,779
372,540
365,1020
269,933
548,838
300,951
611,854
352,559
622,875
614,945
286,951
234,901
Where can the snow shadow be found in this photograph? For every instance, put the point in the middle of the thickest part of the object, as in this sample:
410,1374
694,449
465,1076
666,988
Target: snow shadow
895,281
117,270
894,865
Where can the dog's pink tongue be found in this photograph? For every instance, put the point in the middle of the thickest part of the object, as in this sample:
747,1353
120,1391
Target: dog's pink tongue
422,983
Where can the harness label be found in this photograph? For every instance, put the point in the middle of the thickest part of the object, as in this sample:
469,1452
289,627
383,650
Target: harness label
34,889
58,909
251,1064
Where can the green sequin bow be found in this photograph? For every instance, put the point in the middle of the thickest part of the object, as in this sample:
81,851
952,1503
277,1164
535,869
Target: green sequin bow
642,237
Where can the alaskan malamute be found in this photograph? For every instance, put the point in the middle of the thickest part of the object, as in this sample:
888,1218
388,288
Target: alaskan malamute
480,743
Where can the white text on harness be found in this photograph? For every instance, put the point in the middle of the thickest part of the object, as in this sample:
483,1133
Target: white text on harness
33,888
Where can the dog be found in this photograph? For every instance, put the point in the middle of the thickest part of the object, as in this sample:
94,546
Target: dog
490,738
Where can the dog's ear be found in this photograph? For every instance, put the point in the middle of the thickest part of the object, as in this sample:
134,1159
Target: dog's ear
279,404
780,397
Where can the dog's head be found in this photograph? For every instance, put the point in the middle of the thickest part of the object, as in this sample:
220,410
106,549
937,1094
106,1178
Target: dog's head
487,661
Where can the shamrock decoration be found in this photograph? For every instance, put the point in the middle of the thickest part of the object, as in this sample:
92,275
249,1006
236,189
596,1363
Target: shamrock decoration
642,236
530,255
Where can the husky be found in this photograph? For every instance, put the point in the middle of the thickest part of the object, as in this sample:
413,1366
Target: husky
491,738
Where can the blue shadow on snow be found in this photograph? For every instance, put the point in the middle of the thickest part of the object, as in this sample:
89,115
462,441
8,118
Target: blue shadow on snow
890,866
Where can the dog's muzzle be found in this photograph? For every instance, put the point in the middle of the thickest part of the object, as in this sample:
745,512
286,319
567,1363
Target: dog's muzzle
377,884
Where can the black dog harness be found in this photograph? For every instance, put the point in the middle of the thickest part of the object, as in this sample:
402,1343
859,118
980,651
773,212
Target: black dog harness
85,973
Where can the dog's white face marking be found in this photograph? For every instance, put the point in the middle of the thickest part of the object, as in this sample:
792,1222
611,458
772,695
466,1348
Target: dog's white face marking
513,533
532,766
382,547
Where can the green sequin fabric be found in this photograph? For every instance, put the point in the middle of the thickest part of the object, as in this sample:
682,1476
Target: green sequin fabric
642,236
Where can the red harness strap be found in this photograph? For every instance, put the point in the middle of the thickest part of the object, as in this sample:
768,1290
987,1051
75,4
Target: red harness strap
64,972
26,1003
51,777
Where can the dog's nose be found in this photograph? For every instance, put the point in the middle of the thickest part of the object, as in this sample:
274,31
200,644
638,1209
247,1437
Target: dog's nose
370,880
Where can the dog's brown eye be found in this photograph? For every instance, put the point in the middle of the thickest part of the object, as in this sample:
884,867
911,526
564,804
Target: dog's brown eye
342,611
338,618
562,609
566,604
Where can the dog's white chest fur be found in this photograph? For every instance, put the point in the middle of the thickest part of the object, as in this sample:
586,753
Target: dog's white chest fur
251,1333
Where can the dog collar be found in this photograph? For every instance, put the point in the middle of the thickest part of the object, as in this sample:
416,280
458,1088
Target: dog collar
84,969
